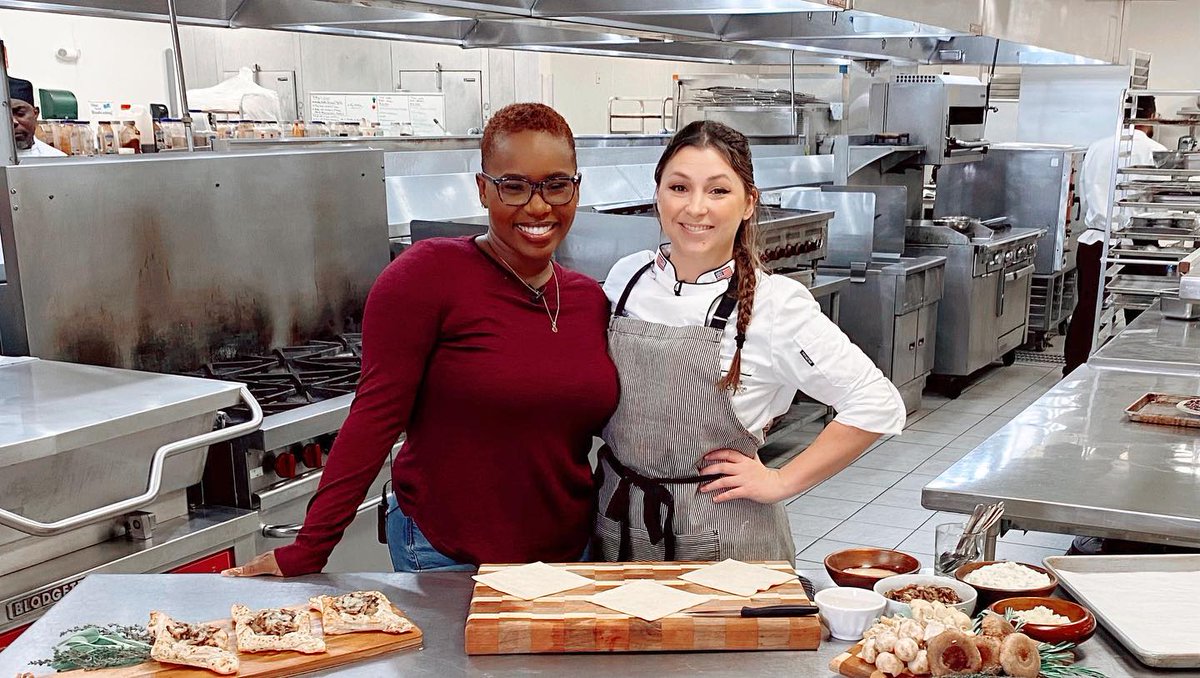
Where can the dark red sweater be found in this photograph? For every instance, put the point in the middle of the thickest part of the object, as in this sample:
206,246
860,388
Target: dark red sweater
498,411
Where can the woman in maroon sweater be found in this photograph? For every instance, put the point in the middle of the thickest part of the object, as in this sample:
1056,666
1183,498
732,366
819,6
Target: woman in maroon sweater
492,360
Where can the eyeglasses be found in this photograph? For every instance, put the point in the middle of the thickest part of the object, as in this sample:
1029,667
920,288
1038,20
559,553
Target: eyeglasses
517,191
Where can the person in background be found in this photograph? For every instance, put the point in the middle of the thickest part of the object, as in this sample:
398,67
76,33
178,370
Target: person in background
710,348
1096,178
25,119
492,360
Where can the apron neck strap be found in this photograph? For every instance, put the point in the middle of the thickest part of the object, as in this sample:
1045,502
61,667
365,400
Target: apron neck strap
720,316
620,309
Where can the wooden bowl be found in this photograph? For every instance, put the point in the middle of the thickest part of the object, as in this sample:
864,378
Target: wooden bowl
838,562
989,595
1081,627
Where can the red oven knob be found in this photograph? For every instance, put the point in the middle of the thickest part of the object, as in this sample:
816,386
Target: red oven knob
285,465
313,456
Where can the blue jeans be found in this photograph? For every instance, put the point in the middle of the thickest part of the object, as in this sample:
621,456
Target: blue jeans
410,550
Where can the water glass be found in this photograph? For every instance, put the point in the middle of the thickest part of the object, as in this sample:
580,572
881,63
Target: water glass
946,538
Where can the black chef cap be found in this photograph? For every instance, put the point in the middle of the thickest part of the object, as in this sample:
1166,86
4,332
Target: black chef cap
20,89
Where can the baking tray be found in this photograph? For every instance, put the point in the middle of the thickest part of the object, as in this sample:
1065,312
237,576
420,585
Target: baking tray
1160,408
1066,567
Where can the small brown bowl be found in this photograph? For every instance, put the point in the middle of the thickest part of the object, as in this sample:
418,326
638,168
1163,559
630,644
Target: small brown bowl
989,595
1080,628
838,562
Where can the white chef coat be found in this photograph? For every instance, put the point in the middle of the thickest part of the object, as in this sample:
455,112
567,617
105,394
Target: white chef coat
40,149
1096,176
790,345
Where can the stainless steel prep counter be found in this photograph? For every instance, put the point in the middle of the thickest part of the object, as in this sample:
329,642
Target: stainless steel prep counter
830,286
438,604
1073,463
1153,343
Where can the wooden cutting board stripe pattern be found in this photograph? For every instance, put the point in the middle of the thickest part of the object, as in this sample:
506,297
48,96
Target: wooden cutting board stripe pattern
567,622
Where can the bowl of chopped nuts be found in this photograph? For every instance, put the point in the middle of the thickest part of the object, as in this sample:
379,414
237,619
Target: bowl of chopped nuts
1049,620
905,588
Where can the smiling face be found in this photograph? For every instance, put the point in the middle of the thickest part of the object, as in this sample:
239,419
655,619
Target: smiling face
525,236
701,204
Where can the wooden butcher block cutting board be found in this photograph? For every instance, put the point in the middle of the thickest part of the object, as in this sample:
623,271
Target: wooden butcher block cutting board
849,664
342,649
498,623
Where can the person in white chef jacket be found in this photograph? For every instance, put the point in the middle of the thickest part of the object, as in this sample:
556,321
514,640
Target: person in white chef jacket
1096,178
710,349
25,117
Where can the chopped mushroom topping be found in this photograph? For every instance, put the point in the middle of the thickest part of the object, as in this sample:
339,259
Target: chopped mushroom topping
275,622
194,634
357,604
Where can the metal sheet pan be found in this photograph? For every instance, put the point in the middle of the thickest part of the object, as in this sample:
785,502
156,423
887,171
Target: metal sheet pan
1160,408
1067,567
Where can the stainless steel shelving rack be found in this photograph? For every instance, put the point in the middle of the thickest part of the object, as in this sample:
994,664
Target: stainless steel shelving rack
1162,206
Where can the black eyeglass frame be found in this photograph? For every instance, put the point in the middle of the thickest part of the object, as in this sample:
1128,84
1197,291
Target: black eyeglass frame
535,187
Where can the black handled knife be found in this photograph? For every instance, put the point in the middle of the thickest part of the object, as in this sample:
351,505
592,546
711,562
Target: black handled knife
763,611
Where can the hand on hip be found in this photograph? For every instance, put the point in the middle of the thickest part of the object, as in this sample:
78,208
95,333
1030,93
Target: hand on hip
744,478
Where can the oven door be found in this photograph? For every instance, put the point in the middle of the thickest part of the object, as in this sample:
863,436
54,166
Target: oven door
282,509
1012,306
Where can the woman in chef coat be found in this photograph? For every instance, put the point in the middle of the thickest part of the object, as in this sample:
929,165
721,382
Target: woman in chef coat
709,349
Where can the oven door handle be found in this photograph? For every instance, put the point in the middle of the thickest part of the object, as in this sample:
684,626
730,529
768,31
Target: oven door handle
289,530
1018,274
96,515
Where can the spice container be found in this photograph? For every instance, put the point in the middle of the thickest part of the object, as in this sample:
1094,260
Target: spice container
44,132
129,139
82,139
316,128
61,139
106,138
160,142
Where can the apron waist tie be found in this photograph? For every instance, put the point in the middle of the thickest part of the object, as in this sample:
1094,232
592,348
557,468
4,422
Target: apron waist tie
656,496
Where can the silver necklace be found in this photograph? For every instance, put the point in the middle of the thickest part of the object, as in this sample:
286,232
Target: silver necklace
537,294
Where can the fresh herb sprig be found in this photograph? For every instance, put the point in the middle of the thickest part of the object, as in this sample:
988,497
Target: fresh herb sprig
100,647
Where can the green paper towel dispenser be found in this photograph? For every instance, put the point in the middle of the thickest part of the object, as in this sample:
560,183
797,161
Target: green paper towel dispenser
58,104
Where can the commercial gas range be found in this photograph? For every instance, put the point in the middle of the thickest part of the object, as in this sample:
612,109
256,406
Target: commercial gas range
305,392
95,463
985,302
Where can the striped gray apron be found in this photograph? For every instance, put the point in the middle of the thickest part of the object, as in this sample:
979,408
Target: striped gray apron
671,413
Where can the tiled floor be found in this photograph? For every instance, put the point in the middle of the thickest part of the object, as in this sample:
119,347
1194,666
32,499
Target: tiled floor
876,501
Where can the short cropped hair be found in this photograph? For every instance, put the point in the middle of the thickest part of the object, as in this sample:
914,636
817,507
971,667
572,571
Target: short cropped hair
524,117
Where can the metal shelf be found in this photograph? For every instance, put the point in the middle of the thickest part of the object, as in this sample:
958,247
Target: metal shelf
1158,171
1176,206
1164,92
1162,122
1167,256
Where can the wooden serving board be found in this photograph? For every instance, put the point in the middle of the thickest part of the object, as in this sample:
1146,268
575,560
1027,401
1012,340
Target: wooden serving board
498,623
849,664
341,649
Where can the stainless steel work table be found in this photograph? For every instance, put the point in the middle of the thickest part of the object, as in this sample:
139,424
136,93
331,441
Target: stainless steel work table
438,604
1153,343
829,286
1073,463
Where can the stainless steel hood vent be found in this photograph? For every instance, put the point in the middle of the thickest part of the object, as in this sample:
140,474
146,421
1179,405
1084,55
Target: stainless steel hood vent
716,31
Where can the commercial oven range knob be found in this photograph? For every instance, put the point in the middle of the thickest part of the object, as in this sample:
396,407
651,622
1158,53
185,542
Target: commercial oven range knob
285,465
313,456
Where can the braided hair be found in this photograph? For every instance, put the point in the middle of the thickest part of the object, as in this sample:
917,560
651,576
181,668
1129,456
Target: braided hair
734,147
